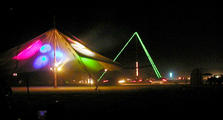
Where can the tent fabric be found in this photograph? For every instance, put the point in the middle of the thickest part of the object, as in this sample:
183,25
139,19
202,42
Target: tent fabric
38,54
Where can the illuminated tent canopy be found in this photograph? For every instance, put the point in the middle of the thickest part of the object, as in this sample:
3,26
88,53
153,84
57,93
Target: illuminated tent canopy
54,50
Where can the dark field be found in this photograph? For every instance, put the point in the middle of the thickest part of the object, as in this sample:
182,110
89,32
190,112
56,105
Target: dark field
116,102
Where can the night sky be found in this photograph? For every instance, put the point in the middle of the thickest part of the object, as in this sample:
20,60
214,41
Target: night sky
178,39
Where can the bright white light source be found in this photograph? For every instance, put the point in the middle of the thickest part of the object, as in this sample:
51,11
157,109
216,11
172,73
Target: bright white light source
217,76
90,81
121,81
59,69
171,74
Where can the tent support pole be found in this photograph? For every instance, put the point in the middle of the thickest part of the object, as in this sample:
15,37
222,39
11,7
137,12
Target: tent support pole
54,66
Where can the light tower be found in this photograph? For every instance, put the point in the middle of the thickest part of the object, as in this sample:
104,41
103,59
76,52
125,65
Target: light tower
137,69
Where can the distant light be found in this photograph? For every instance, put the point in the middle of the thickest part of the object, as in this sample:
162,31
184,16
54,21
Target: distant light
179,78
106,70
134,81
121,81
42,113
164,80
137,69
171,74
105,81
14,74
91,82
217,76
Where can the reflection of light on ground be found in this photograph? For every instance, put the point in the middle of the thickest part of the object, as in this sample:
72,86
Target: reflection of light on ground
123,87
76,89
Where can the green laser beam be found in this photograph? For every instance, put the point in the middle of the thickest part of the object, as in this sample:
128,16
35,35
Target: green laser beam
148,56
146,52
101,76
117,56
123,47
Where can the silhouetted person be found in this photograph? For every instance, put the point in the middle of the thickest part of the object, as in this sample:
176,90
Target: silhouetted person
196,78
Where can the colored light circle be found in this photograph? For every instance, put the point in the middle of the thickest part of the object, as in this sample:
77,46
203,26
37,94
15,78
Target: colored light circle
45,48
40,62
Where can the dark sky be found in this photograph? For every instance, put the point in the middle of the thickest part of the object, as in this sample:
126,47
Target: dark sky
178,38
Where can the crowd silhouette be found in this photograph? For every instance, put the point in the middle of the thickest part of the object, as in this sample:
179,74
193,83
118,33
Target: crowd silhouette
215,80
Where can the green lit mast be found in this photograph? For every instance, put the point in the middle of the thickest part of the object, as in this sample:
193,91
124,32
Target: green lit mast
146,52
148,56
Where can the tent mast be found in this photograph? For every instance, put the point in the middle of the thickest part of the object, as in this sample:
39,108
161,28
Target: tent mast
55,60
55,68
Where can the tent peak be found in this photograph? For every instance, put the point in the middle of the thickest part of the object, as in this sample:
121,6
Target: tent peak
54,29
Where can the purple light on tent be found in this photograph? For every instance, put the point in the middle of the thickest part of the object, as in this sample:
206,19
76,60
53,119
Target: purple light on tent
45,48
29,51
40,62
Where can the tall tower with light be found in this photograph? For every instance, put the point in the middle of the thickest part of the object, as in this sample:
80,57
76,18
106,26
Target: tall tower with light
137,69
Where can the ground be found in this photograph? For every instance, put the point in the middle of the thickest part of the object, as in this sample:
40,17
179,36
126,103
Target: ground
115,101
